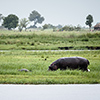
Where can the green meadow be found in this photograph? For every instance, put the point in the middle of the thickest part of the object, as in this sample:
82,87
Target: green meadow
16,54
48,40
38,62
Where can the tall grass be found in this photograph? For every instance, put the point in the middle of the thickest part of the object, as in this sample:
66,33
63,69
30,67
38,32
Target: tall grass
41,40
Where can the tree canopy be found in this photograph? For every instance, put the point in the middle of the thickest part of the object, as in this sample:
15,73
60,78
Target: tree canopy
36,17
11,21
89,20
48,26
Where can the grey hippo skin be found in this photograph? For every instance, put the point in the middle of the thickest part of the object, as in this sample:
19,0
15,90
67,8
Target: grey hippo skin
70,63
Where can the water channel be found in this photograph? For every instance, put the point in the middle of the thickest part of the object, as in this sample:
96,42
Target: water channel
50,92
46,50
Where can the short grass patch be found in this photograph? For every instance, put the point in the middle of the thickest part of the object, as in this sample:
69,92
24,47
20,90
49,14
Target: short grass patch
38,62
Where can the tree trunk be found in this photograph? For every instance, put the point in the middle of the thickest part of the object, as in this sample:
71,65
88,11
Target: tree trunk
35,22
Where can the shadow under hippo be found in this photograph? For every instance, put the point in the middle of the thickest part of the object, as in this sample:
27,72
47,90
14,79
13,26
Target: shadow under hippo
70,63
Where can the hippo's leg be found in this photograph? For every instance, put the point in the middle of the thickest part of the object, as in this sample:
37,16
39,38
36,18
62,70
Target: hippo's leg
83,67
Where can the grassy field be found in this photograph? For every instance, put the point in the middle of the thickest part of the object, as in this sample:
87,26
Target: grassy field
11,61
48,40
17,57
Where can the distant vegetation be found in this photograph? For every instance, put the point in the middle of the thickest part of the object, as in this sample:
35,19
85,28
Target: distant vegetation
12,22
71,28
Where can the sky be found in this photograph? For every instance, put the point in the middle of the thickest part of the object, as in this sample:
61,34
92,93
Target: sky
64,12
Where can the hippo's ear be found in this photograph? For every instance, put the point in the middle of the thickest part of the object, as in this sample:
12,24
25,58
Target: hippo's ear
52,64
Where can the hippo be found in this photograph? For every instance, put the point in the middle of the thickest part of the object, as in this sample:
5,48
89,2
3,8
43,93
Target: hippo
70,63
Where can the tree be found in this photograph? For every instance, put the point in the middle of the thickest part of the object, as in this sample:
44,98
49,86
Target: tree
89,20
67,28
45,26
11,21
20,27
48,26
1,17
23,24
59,26
78,28
36,17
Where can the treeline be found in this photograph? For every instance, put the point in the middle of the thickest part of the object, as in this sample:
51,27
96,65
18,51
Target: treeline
61,28
12,21
71,28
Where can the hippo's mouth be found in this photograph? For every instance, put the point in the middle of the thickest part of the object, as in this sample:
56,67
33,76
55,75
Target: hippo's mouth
52,68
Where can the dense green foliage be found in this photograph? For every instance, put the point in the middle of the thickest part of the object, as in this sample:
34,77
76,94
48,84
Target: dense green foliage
89,20
38,62
71,28
48,26
11,21
36,17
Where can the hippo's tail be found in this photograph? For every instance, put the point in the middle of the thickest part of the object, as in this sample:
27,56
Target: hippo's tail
88,62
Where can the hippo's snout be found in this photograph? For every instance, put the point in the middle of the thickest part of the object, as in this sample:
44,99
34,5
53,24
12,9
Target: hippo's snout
49,69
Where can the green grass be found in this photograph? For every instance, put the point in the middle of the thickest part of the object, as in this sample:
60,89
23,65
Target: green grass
11,61
44,40
17,57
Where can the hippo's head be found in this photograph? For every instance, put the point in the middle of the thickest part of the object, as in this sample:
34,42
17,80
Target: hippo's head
52,67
